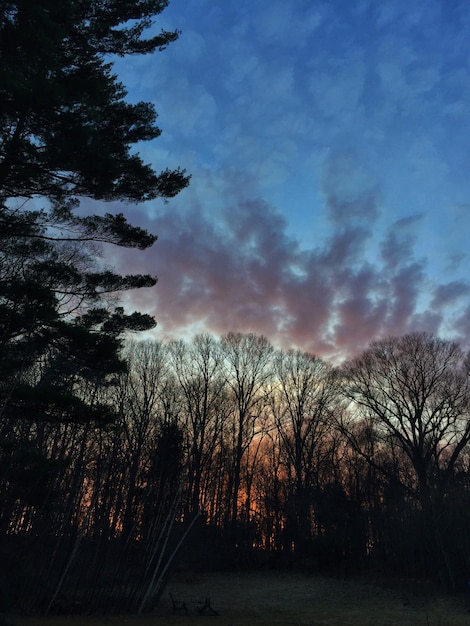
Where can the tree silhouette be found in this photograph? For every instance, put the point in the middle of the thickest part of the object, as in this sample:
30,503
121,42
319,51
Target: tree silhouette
67,142
67,133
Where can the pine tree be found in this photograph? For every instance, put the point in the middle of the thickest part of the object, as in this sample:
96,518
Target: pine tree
68,133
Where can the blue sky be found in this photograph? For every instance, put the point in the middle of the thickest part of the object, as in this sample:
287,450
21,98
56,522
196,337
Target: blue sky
329,147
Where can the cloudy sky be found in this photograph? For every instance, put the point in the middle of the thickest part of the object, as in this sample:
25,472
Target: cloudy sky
329,147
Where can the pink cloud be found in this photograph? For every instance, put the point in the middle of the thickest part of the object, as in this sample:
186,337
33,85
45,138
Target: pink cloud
238,270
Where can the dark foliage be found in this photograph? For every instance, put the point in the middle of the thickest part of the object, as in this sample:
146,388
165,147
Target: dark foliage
66,127
66,133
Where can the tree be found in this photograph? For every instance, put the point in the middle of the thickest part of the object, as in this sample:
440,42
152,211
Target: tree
141,423
247,363
67,132
302,404
66,128
414,393
416,390
198,371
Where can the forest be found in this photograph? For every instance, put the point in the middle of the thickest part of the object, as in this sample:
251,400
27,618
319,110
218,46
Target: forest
123,458
227,453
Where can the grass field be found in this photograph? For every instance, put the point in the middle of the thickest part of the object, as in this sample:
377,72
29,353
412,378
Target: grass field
287,599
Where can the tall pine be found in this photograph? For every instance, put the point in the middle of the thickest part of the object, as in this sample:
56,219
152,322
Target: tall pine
68,133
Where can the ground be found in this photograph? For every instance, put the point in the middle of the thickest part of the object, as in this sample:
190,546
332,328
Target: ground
288,599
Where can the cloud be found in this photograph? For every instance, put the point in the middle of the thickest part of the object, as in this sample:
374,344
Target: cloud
233,267
449,294
399,241
348,119
461,327
350,193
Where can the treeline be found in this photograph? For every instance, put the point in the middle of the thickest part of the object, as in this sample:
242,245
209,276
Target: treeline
263,457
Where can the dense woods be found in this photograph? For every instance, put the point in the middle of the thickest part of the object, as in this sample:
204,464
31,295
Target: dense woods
265,458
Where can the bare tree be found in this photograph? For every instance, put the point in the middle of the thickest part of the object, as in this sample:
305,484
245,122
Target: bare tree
198,371
304,398
248,369
270,487
139,407
414,391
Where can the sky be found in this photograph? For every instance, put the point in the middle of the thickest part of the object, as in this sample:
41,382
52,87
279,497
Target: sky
329,147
